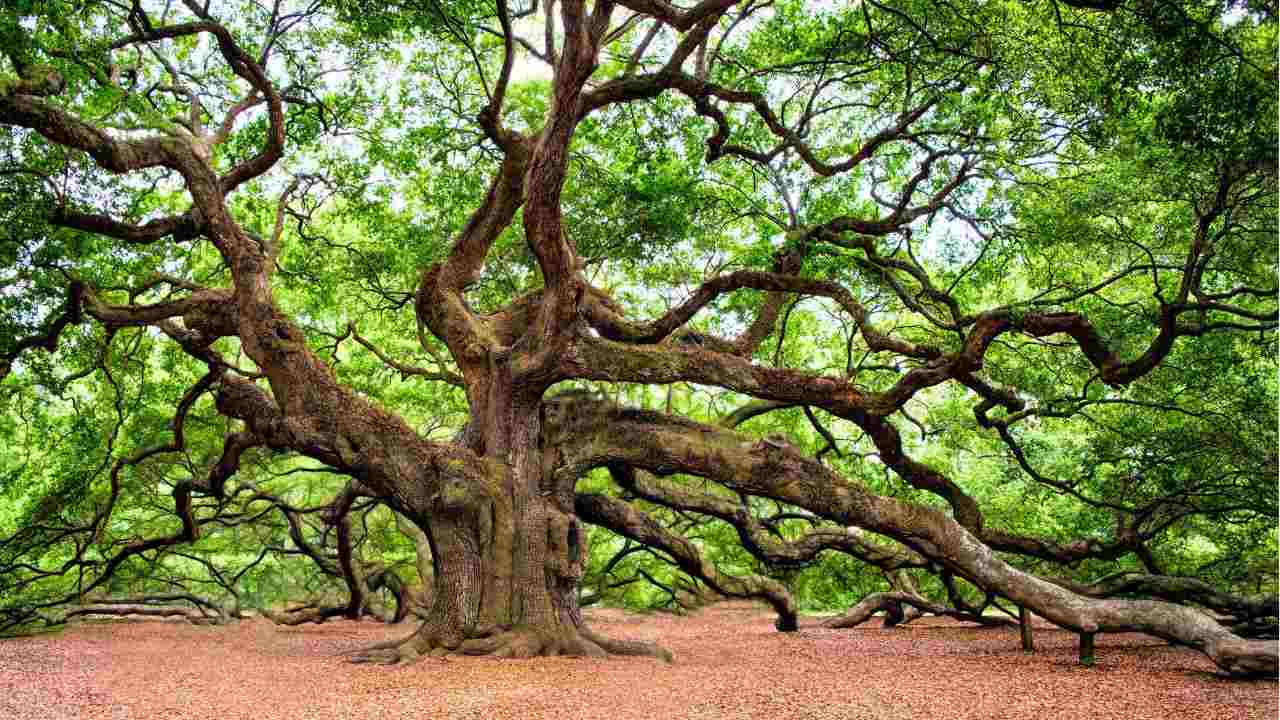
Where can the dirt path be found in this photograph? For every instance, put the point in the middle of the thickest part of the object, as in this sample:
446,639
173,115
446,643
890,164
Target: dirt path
729,664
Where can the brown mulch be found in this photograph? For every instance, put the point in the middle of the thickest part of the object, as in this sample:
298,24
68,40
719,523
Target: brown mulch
729,664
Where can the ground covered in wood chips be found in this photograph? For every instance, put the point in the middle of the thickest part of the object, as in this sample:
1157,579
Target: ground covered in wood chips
730,663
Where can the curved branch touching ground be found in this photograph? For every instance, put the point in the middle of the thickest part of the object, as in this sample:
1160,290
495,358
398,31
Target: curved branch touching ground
901,581
122,609
892,602
374,577
203,612
904,593
597,434
292,617
625,520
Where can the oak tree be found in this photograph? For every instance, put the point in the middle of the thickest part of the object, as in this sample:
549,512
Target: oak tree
944,239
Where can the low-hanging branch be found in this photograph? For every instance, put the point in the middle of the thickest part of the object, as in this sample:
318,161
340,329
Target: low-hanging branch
623,519
601,435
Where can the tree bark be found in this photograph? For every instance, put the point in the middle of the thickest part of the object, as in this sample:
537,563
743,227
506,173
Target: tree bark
1086,649
507,555
1024,625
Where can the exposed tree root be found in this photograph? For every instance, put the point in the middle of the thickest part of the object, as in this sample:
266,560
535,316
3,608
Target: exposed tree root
513,643
635,648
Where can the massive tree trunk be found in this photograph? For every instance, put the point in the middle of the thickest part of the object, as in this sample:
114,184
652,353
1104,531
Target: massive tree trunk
507,555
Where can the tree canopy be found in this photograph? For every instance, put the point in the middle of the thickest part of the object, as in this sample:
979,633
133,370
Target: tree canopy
506,309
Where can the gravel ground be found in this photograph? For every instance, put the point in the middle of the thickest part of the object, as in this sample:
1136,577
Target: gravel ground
729,664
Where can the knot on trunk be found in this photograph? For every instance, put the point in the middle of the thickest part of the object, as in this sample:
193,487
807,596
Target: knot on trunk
564,545
456,496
